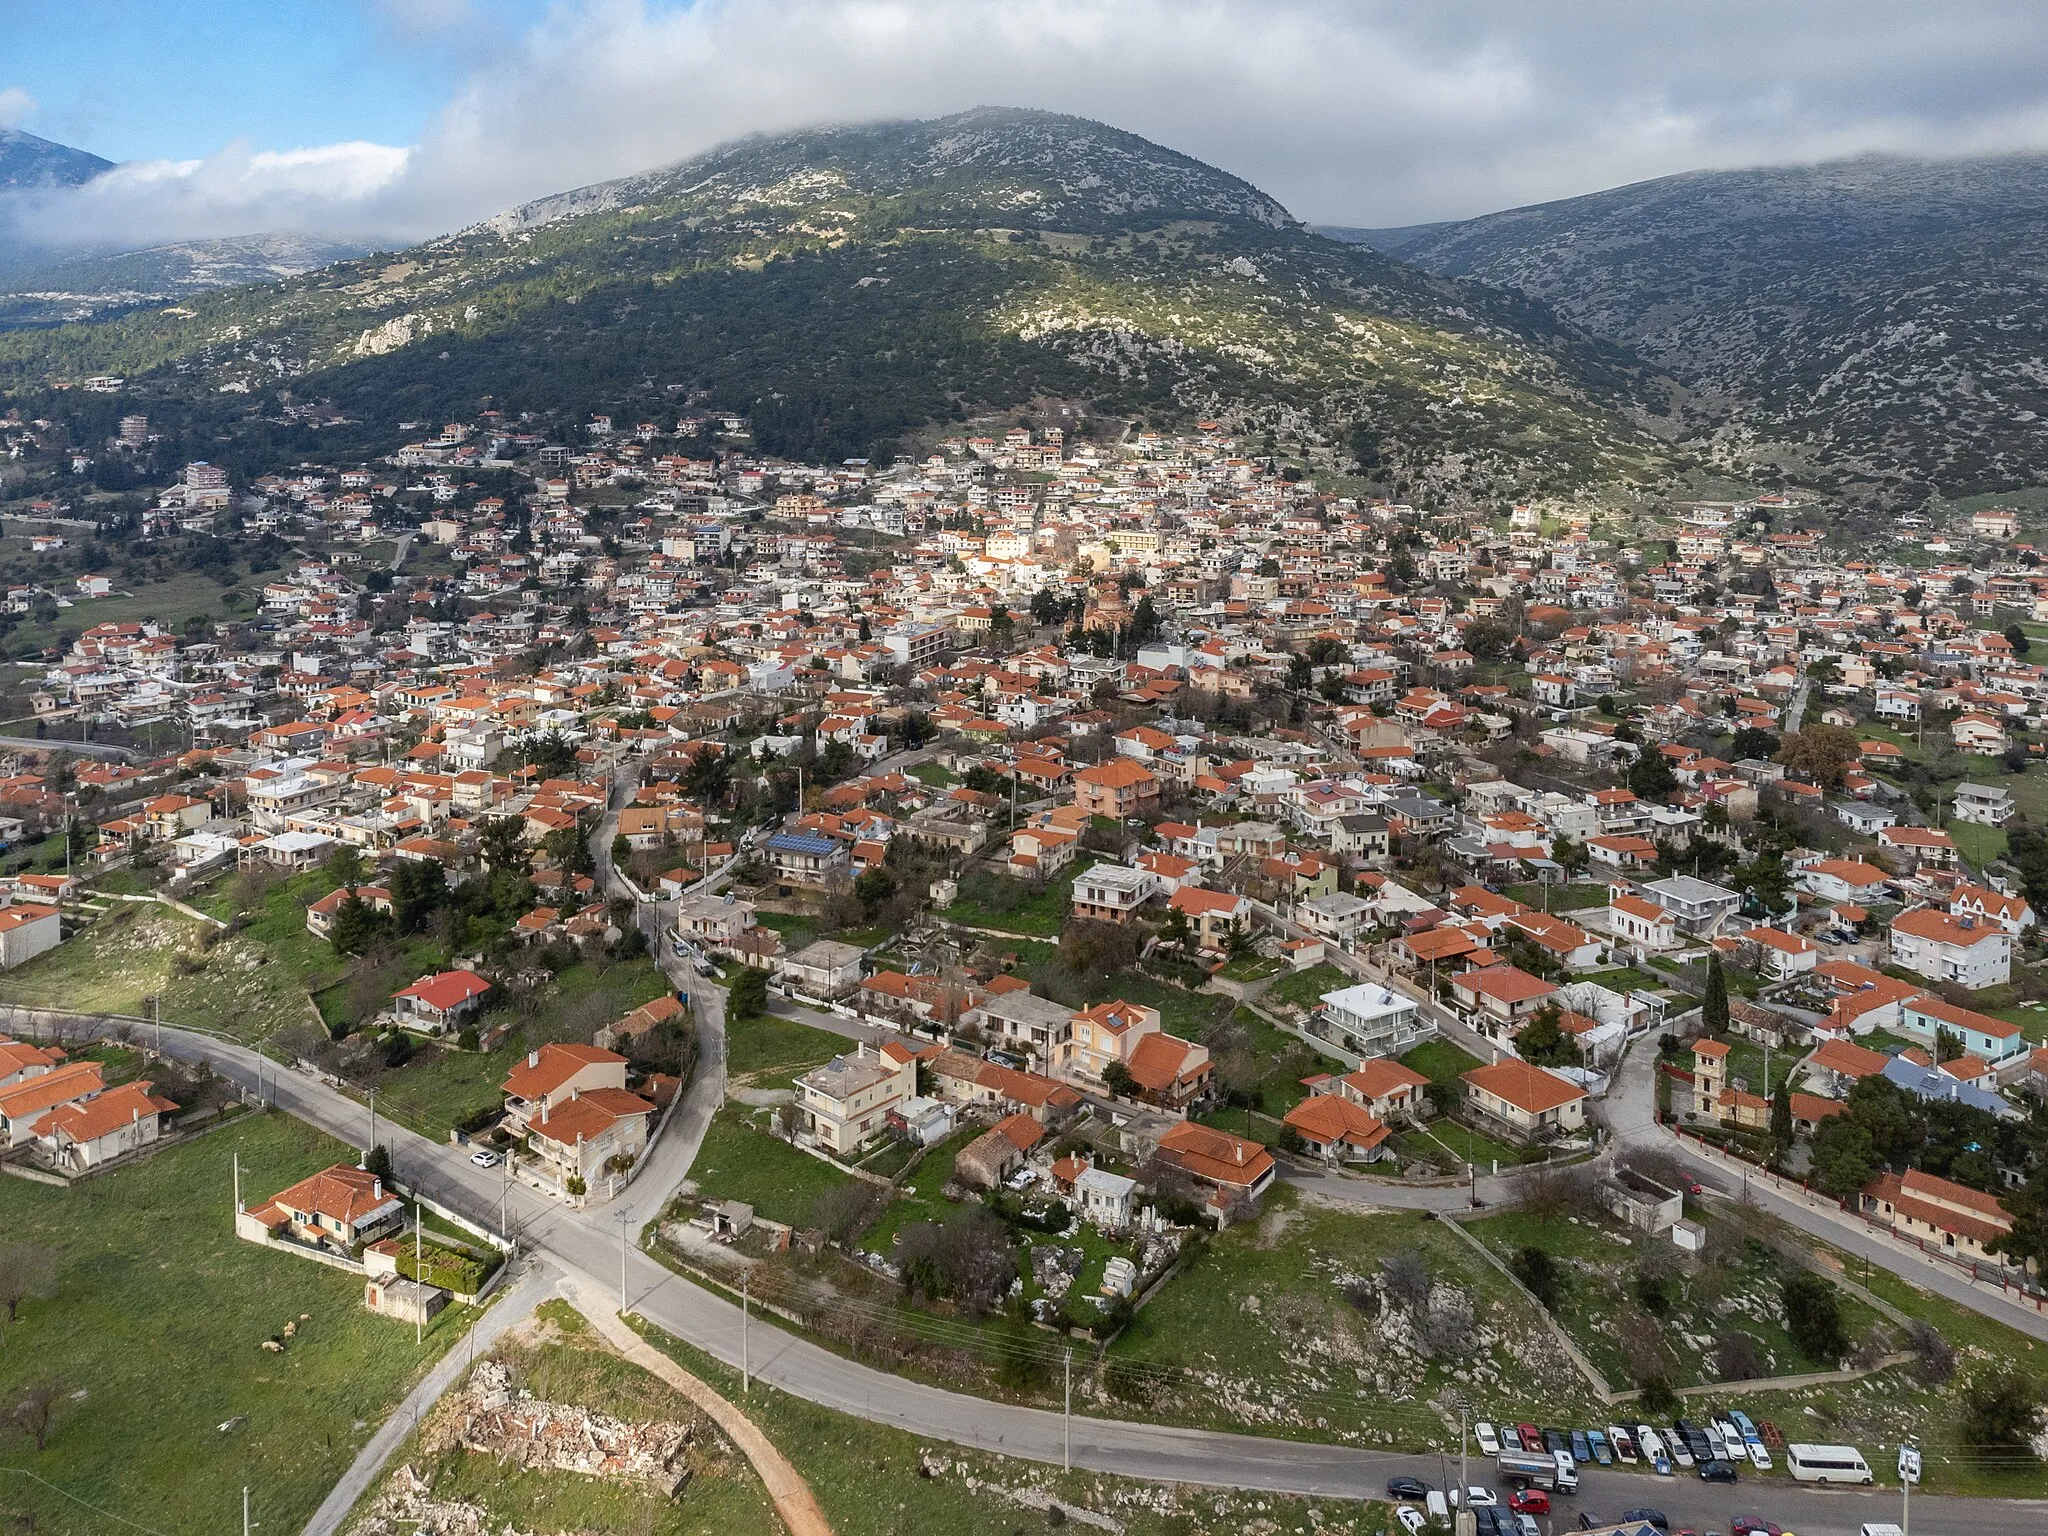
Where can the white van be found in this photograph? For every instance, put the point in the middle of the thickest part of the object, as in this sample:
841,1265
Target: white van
1438,1506
1828,1464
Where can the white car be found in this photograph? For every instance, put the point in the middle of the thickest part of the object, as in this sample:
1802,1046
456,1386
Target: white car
1413,1521
1489,1442
1479,1498
484,1159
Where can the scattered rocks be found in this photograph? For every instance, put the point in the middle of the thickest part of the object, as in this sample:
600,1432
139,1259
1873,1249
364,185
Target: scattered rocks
495,1418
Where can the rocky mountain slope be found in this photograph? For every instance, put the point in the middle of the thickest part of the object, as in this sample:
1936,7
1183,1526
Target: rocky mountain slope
850,285
1877,319
46,288
27,161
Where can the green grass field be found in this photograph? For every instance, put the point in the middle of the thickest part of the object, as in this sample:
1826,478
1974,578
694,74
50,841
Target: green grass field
1440,1061
739,1162
996,901
560,1359
1304,989
185,595
153,1344
774,1048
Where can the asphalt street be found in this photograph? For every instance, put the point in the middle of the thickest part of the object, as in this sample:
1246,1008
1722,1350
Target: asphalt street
596,1246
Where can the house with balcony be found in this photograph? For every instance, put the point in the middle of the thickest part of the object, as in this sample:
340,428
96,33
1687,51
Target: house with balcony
1931,943
1111,893
1118,788
1529,1102
1211,915
1697,907
439,1004
846,1103
1032,1026
809,859
336,1211
549,1077
1497,1000
1992,1041
1369,1020
1985,805
1950,1218
589,1136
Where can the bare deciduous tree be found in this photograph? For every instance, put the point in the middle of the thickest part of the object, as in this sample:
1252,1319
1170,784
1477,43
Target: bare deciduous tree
32,1412
1407,1279
1736,1357
27,1273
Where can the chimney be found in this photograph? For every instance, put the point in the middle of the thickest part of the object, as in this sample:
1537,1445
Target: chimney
533,1058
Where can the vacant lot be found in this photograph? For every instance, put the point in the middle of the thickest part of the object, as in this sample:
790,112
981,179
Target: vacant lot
166,1403
558,1357
741,1161
240,984
1603,1304
1286,1326
769,1050
1011,906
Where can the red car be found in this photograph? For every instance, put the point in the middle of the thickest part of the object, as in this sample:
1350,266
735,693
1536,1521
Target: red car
1756,1525
1529,1501
1532,1437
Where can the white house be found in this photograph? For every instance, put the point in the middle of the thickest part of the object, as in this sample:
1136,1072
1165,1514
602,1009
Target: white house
1944,948
1368,1020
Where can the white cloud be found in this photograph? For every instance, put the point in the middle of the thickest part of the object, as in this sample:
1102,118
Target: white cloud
16,106
1368,112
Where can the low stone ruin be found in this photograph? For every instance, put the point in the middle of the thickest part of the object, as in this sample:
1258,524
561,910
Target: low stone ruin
493,1418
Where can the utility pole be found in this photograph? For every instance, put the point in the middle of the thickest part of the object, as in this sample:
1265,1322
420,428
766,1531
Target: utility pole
625,1220
373,1123
419,1273
238,1183
1909,1474
746,1372
1067,1418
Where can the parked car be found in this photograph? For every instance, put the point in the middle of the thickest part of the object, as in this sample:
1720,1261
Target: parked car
1489,1442
1412,1520
484,1159
1755,1525
1648,1516
1475,1497
1624,1444
1601,1453
1407,1488
1581,1447
1529,1501
1525,1525
1554,1441
1588,1521
1532,1437
1717,1471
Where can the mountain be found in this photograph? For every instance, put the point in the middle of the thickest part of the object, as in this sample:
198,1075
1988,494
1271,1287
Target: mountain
849,286
42,287
1878,320
27,161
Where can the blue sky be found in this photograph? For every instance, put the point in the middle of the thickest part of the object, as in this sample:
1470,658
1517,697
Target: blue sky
177,79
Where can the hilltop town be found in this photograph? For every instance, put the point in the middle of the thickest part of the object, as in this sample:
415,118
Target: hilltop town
1126,832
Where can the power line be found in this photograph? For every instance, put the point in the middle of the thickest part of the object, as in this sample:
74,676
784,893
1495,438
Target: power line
82,1503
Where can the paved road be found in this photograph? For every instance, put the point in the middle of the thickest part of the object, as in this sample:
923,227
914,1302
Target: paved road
398,554
528,1291
588,1245
75,748
1630,1112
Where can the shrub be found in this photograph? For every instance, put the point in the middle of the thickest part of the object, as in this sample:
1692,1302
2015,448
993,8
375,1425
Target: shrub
1813,1318
1540,1273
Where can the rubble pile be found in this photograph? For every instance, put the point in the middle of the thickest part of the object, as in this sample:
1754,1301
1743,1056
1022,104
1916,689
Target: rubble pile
497,1419
405,1509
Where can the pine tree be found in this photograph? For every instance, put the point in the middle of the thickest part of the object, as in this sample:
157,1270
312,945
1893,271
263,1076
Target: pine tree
1714,1006
1781,1119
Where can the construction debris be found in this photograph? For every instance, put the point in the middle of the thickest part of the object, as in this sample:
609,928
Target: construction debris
496,1419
